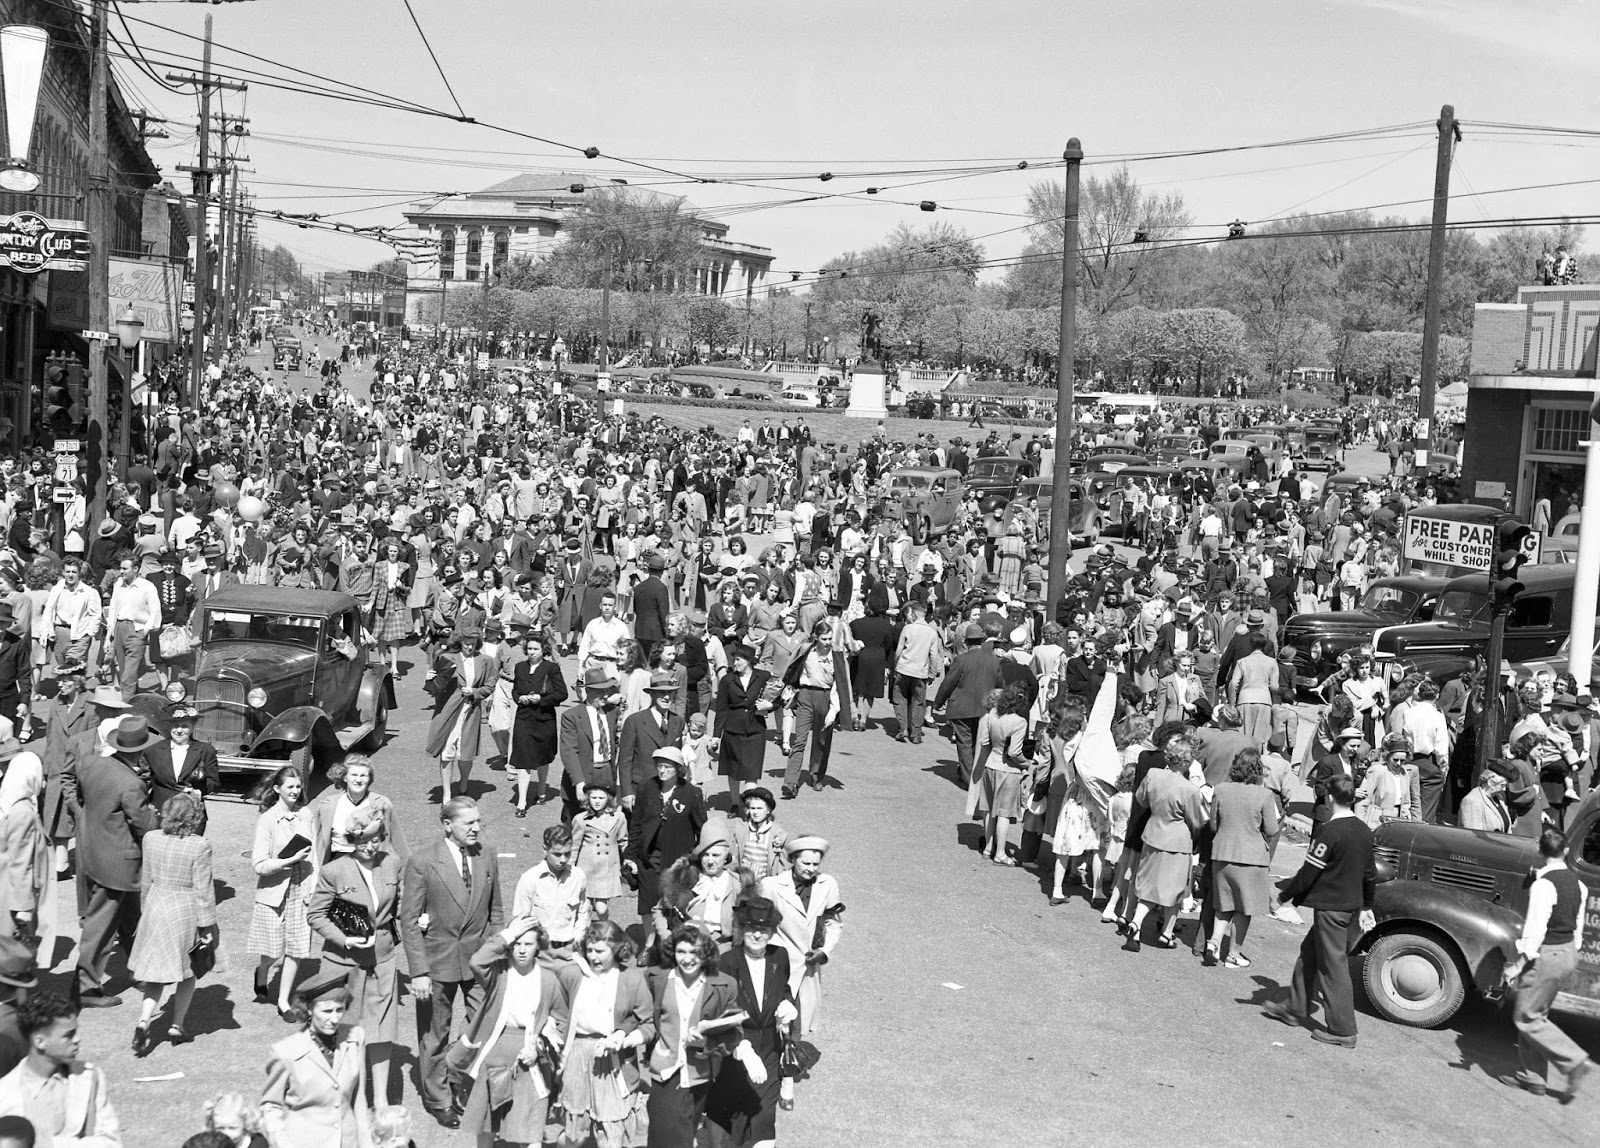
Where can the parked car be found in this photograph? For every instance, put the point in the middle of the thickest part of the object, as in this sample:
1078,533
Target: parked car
798,398
1450,905
1538,624
1155,479
283,676
1321,449
927,499
998,474
1175,448
1318,638
1084,515
1111,461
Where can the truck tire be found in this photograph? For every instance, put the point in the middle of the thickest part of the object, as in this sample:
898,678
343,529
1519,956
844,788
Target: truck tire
1413,979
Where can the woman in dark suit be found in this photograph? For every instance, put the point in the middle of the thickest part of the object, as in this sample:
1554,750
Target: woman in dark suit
740,726
667,821
744,1111
369,879
537,688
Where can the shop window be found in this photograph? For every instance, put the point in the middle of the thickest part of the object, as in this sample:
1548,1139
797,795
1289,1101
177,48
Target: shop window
1559,430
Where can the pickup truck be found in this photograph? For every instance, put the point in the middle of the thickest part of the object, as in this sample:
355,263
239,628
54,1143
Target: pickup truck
1449,908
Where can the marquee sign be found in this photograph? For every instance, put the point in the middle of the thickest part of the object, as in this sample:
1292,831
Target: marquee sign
30,243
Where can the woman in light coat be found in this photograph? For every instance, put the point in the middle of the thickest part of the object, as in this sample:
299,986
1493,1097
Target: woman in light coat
27,881
315,1093
278,927
461,683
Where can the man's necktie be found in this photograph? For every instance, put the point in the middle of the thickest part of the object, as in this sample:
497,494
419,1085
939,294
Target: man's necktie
466,871
604,754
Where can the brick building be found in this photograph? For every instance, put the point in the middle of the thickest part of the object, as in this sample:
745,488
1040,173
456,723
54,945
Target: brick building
1530,386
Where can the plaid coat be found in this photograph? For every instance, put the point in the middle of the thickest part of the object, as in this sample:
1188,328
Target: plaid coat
177,900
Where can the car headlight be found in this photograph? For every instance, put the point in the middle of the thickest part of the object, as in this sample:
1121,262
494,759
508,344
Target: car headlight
1316,650
256,697
176,692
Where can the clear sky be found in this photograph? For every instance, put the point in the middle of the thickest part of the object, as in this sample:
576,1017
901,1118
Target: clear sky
764,92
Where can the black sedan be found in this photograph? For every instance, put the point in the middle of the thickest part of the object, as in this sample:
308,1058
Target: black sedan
1319,638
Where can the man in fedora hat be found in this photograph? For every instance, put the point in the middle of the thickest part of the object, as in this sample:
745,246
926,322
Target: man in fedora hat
116,814
651,602
643,733
589,740
18,976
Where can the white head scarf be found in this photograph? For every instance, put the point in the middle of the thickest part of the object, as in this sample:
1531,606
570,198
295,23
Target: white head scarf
23,781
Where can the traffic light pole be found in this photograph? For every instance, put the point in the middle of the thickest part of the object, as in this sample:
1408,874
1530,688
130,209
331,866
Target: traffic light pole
1489,720
97,217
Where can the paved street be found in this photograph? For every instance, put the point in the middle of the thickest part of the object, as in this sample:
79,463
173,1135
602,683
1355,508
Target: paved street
960,1008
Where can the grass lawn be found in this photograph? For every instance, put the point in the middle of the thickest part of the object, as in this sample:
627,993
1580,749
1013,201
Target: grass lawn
826,426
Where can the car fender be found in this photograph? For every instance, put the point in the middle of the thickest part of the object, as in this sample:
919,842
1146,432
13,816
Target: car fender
298,725
1482,931
372,682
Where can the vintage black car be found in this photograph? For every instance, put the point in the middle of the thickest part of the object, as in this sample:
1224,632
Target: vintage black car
1538,624
1449,909
998,474
284,676
1319,638
286,354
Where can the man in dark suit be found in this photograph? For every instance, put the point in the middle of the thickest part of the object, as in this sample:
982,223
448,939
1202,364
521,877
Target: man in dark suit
651,603
589,741
645,732
455,883
964,694
1255,622
181,763
930,592
216,577
115,815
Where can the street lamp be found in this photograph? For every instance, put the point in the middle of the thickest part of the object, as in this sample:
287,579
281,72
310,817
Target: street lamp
130,328
22,50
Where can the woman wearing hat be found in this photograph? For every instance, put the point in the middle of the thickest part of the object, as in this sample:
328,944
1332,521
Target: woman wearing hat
667,822
703,888
422,533
316,1079
811,921
391,609
537,688
740,729
1391,788
178,909
743,1110
461,683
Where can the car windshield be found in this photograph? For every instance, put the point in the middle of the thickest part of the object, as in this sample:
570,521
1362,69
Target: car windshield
237,625
994,465
1391,601
1462,606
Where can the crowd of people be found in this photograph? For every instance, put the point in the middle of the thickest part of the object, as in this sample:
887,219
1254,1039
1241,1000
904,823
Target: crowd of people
647,609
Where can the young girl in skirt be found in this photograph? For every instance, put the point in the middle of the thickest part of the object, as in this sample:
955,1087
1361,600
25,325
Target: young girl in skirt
1117,817
601,832
697,751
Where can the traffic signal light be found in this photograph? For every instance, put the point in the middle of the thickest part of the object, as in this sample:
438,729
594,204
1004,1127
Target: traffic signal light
1511,543
63,399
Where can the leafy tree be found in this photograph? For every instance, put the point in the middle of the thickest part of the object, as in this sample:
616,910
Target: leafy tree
643,237
1113,271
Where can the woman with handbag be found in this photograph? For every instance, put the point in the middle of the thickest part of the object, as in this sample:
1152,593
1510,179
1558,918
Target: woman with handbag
461,683
284,866
178,922
353,909
508,1052
744,1110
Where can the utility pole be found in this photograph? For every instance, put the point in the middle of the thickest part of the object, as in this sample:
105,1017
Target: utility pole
227,228
1449,136
202,201
602,377
1061,473
97,217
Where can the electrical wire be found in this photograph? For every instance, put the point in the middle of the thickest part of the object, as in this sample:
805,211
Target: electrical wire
432,56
